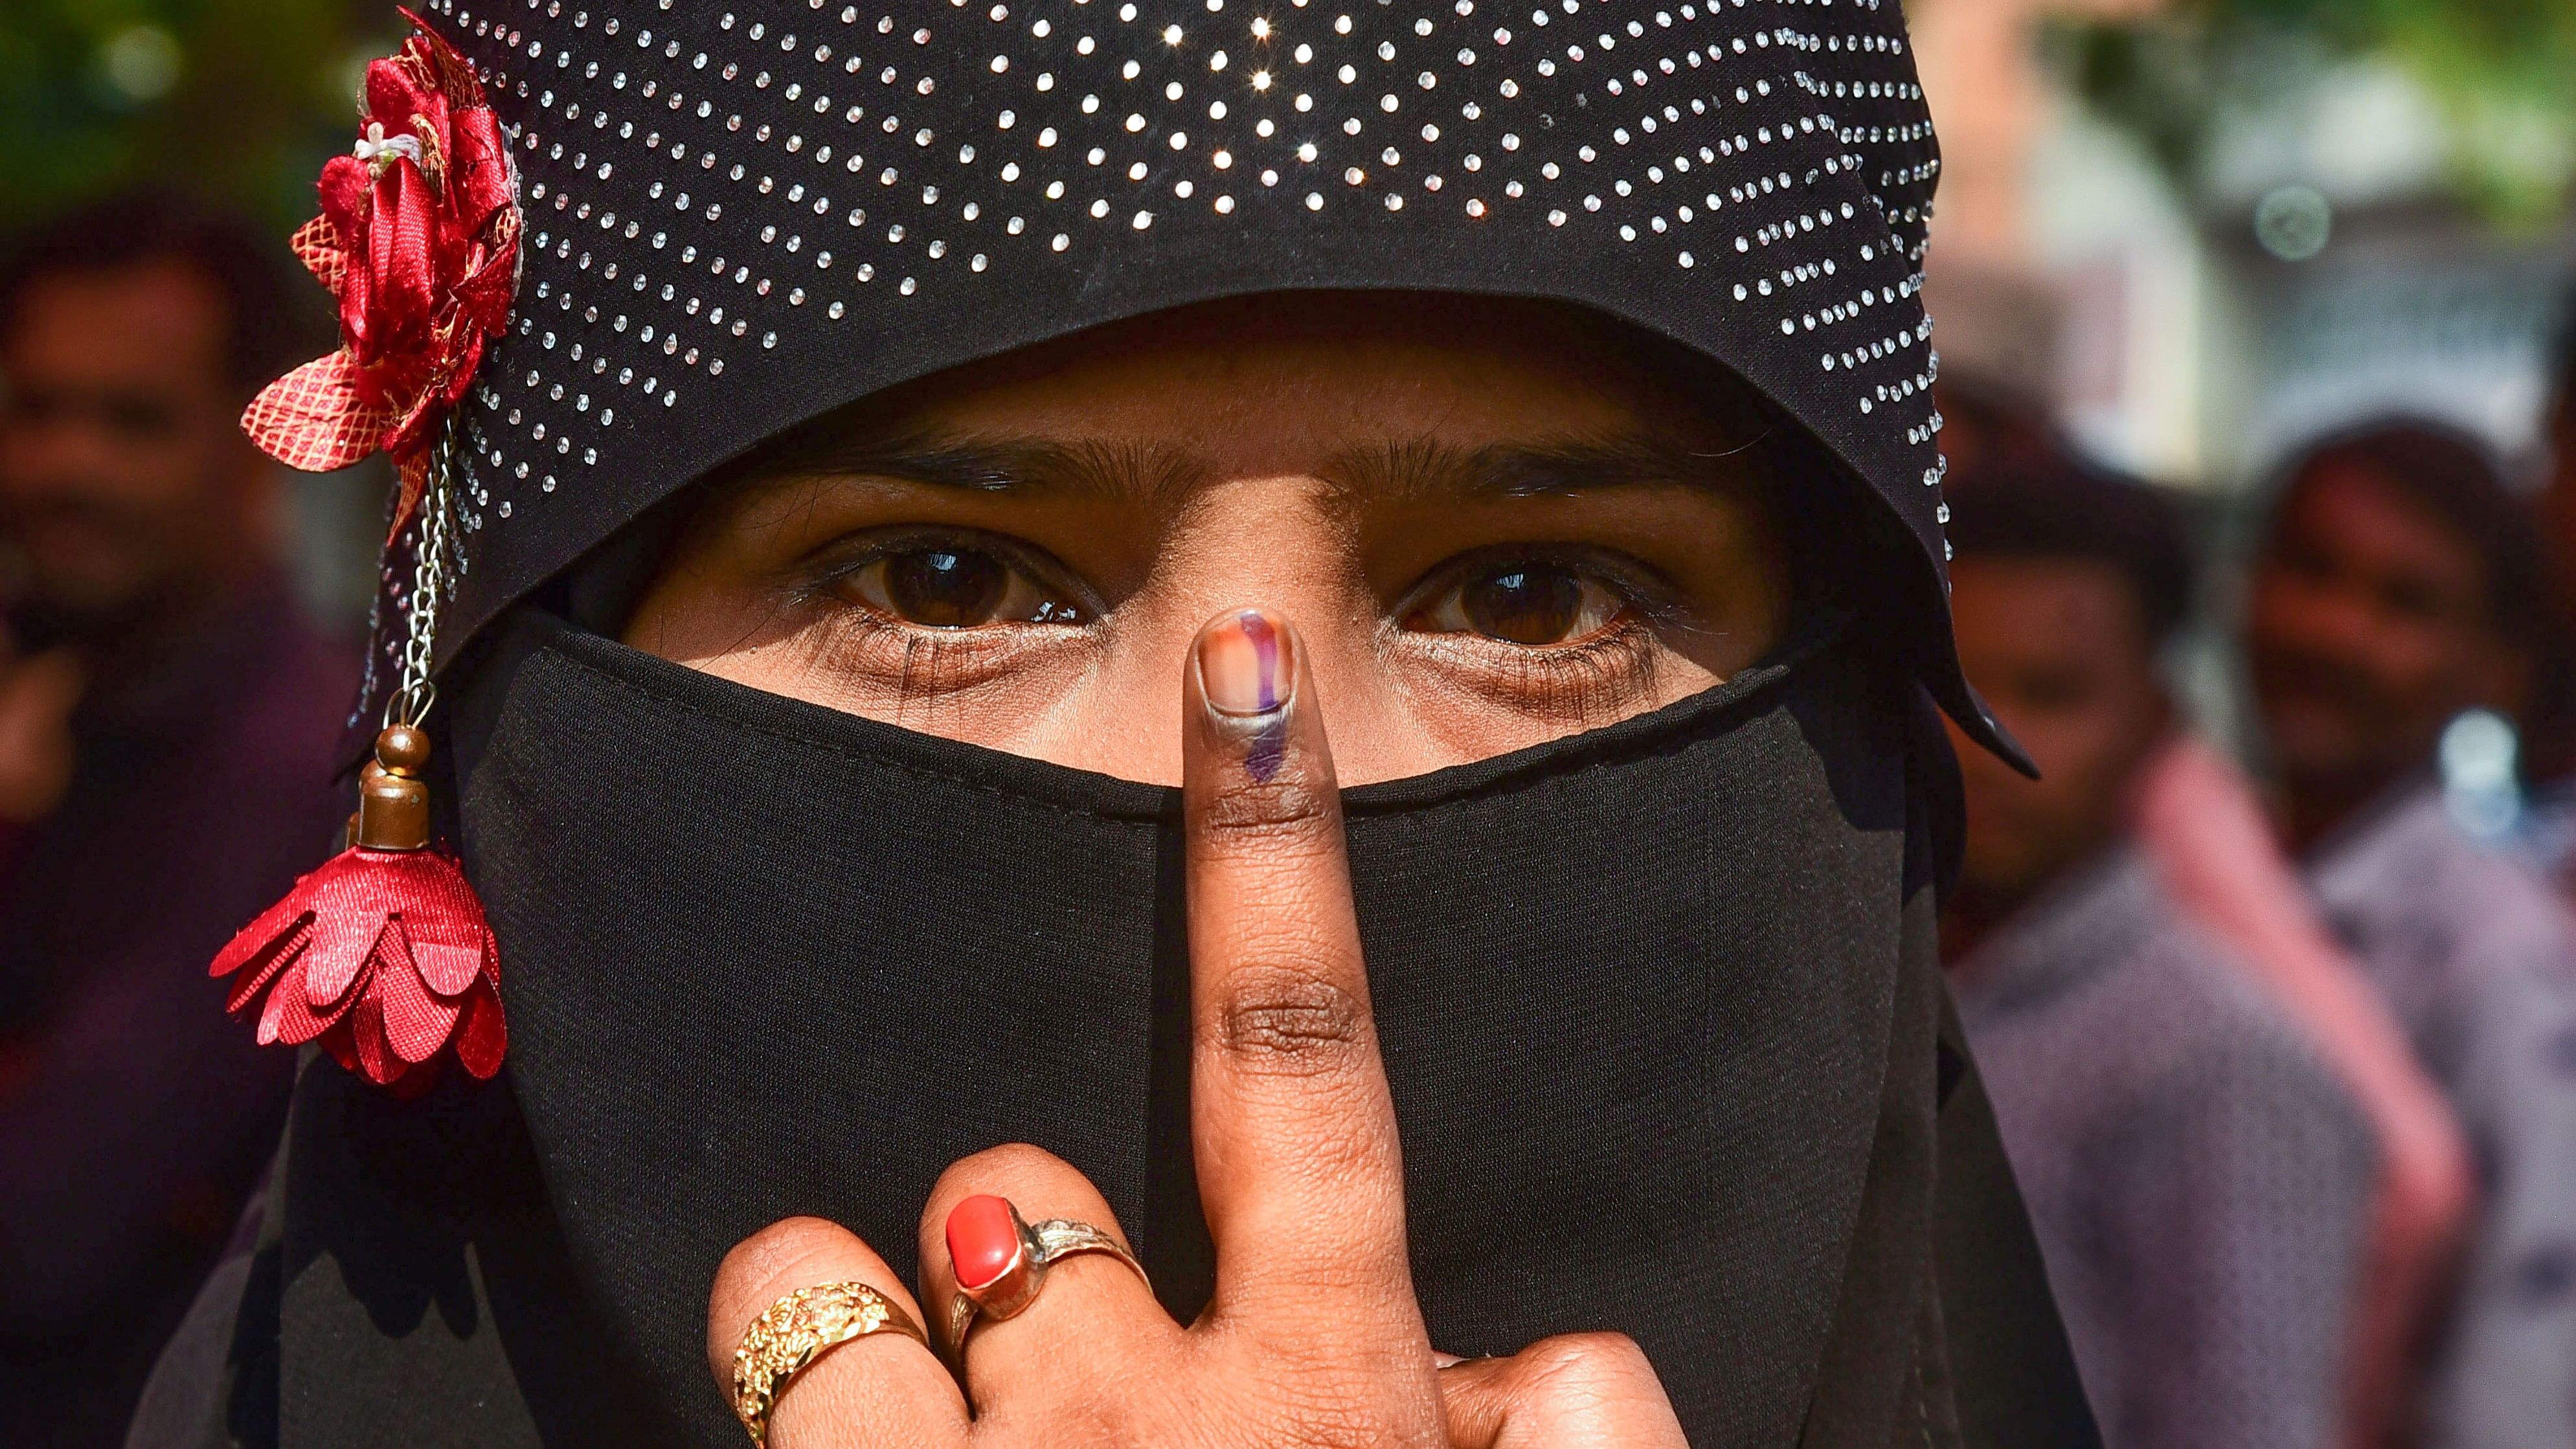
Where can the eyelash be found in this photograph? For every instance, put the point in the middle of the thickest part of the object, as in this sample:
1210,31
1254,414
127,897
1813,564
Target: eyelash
828,569
858,639
1589,680
1579,682
1594,682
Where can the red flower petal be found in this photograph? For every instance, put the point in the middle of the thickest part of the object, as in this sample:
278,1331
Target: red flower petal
394,91
279,954
452,73
416,1024
411,483
344,950
414,1083
429,121
478,168
265,929
451,258
343,1048
344,188
357,302
414,431
446,967
484,1035
290,1016
444,927
290,988
314,419
483,298
367,1036
400,265
323,250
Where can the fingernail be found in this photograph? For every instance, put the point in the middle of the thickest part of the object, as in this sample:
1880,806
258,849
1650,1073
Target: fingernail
1245,663
1248,669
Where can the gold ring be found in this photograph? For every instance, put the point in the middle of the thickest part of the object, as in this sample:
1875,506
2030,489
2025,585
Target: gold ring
797,1330
1001,1262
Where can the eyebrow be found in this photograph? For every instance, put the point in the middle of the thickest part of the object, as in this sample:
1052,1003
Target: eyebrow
1123,471
1411,472
1431,472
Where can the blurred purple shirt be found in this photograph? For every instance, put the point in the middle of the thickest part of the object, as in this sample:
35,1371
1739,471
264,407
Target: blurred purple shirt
2477,959
2197,1174
136,1114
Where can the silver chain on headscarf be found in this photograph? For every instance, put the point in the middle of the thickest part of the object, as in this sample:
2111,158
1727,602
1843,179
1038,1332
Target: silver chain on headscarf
415,691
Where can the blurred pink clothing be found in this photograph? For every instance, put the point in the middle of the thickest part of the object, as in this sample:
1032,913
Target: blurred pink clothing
2197,818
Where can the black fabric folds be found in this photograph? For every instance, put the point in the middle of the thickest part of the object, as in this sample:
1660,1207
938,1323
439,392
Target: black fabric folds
1659,1005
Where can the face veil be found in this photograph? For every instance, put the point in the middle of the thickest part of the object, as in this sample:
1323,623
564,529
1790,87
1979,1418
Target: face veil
1660,1002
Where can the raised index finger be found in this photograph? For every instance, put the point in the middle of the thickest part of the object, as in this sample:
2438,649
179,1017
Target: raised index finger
1297,1160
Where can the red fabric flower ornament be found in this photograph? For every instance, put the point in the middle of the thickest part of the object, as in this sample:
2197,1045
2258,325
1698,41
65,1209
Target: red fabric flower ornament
383,956
419,239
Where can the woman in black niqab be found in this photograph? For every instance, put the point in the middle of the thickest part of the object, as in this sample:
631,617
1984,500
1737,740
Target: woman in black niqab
768,958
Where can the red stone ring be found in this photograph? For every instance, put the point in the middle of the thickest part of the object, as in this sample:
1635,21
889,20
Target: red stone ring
1001,1262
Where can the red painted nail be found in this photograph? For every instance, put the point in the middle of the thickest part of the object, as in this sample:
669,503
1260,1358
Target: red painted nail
983,1240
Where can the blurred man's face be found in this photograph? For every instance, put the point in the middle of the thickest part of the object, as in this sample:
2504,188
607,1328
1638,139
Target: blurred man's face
123,473
2060,651
2369,630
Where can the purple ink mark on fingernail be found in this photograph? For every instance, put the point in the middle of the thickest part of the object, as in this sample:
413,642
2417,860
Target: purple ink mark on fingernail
1264,638
1270,744
1269,747
1243,661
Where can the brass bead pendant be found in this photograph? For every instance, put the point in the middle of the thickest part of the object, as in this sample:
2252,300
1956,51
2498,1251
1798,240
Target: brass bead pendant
393,800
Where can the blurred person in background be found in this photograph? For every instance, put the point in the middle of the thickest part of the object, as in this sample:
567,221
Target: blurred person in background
1987,423
2199,1176
167,720
2397,585
2547,833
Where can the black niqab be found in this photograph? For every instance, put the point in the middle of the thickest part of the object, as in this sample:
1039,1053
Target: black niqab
1659,1003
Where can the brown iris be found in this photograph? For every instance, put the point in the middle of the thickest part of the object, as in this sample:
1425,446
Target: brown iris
1523,604
945,588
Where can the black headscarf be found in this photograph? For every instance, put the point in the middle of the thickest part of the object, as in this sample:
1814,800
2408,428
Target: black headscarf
1660,1001
742,215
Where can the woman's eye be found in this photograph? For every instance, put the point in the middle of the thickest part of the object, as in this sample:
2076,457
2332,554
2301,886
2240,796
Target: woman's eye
955,586
1524,603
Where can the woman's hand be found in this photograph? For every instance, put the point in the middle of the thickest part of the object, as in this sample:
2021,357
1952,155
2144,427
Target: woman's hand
1313,1336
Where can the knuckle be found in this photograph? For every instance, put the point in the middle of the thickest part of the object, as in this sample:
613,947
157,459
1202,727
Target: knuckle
1592,1351
776,1251
1342,1427
1585,1368
1271,812
1327,1411
757,1271
1000,1169
1285,1019
1342,1269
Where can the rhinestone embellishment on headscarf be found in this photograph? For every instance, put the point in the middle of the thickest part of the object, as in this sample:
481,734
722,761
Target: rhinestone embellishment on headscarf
727,201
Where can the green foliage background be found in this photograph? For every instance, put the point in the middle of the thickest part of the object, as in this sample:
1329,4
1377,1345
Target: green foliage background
2503,72
264,90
